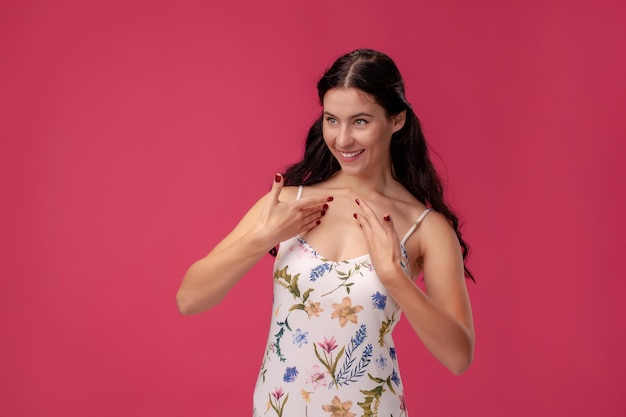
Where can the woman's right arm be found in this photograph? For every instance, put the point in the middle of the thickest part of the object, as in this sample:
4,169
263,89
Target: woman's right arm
267,223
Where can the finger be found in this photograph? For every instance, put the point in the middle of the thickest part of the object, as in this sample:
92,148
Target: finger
313,203
316,210
311,215
387,224
310,225
358,219
366,215
277,187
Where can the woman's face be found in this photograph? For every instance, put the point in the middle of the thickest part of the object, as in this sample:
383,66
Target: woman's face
358,131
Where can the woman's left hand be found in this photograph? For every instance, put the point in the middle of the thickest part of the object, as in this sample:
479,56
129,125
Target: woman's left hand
383,243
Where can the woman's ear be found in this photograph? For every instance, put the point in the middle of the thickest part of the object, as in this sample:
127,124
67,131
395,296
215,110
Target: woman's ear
398,121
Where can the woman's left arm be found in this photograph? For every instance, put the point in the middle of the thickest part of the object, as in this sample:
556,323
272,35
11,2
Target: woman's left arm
441,316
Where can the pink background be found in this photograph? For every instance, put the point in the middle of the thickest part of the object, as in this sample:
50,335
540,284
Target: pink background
134,134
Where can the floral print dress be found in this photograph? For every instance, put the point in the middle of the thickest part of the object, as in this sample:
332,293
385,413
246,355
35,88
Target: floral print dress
330,351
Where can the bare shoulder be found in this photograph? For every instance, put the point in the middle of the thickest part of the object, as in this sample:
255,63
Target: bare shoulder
316,190
288,193
436,228
434,237
436,243
406,207
252,215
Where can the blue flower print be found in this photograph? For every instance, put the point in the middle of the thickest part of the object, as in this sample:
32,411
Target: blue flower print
404,256
394,377
300,337
319,270
379,300
381,362
359,336
392,353
290,374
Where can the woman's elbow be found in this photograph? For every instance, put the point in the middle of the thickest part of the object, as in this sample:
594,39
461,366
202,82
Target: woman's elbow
460,367
189,303
463,361
460,355
185,307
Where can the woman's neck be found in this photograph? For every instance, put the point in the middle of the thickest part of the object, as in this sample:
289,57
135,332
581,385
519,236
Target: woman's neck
364,185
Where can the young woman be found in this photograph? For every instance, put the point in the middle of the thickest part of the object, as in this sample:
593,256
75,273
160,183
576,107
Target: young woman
352,225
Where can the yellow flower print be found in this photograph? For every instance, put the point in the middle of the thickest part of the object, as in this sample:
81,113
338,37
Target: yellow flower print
313,309
345,311
306,395
339,409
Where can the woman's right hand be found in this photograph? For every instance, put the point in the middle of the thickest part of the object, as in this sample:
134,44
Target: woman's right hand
279,221
269,222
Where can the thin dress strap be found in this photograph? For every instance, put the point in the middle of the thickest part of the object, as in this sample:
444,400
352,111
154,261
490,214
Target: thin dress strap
416,225
299,195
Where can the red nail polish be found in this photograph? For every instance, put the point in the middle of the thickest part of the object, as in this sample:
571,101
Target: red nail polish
317,222
355,216
323,212
277,177
330,198
357,201
387,218
325,206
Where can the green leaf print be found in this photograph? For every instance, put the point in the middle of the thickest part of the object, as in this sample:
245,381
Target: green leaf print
294,286
385,327
279,336
370,404
290,283
345,276
371,401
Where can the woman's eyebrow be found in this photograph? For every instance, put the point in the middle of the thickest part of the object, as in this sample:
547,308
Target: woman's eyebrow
356,116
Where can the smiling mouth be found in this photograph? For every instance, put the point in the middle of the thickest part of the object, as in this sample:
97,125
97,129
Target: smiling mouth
351,154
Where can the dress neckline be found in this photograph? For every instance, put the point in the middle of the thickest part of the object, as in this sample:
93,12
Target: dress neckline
322,257
355,259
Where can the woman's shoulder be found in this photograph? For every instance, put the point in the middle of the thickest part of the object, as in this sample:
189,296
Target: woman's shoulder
416,212
289,193
406,203
429,224
320,188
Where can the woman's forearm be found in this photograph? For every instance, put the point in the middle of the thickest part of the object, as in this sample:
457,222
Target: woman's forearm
208,280
268,222
449,339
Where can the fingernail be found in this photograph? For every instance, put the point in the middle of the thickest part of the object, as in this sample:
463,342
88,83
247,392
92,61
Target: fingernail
277,177
325,206
357,201
323,212
317,222
330,198
387,218
355,216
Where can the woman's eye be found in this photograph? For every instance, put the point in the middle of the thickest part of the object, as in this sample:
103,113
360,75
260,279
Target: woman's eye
331,120
360,122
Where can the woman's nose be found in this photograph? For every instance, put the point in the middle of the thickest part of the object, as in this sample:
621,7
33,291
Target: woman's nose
344,138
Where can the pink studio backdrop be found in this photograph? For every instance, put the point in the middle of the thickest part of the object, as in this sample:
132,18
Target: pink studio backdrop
134,134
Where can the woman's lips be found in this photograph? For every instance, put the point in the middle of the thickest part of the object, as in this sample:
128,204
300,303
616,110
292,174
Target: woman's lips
348,155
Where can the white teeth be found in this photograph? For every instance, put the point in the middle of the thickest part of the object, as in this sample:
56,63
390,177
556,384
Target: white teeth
350,154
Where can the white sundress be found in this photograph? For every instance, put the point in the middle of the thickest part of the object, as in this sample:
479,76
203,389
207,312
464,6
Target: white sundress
330,351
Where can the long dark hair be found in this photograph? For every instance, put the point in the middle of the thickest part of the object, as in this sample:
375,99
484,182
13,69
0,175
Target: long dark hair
376,74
